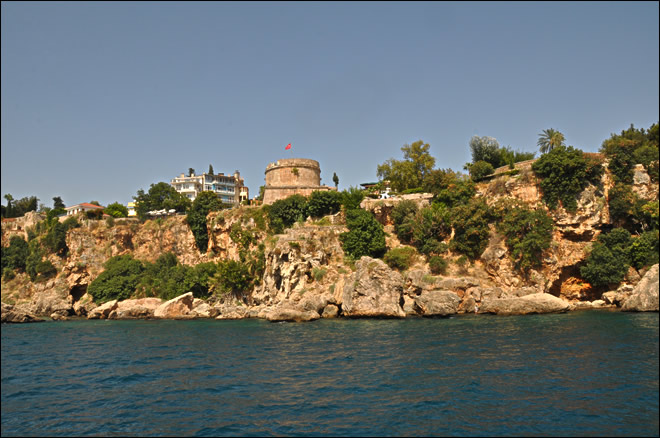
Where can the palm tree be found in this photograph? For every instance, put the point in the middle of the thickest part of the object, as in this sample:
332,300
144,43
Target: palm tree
550,139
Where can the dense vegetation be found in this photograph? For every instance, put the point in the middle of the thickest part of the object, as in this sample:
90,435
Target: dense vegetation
632,146
488,155
456,220
161,196
564,173
18,208
527,233
204,203
365,236
166,278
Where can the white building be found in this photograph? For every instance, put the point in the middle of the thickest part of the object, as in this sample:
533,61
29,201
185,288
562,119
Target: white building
80,208
229,188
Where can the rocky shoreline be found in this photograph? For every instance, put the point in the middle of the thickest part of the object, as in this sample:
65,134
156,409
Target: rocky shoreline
373,291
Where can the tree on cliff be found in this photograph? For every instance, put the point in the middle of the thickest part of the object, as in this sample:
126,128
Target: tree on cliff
565,172
365,236
204,203
609,259
410,172
58,203
118,281
18,208
485,149
550,139
160,196
116,210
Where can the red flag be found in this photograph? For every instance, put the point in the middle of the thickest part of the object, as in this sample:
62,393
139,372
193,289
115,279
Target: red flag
287,147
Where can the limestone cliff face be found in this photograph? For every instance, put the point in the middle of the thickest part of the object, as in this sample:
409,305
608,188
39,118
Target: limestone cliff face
306,260
306,274
572,238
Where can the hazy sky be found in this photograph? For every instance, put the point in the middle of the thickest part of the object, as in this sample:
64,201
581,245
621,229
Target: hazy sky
102,99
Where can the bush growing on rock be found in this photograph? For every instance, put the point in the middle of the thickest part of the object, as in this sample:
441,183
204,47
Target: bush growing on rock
400,258
283,213
480,169
233,277
630,147
118,281
609,259
644,250
365,236
438,265
403,216
322,203
351,198
204,203
471,232
449,188
528,233
431,226
565,172
14,256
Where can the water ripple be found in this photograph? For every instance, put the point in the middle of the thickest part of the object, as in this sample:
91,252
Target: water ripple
587,373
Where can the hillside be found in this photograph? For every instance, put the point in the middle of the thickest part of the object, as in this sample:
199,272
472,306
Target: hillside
306,273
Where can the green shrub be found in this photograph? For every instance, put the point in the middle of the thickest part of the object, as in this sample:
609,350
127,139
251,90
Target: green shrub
630,147
233,277
116,210
283,213
319,273
70,223
403,216
15,255
621,201
431,226
322,203
471,232
609,258
204,203
400,258
365,236
165,278
565,172
527,232
438,265
644,250
118,281
55,239
480,169
462,261
243,237
8,274
45,270
351,198
449,188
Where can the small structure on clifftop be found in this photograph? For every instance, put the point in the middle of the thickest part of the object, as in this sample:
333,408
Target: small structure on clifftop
291,176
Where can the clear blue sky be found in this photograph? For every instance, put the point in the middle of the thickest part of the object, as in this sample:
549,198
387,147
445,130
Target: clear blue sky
102,99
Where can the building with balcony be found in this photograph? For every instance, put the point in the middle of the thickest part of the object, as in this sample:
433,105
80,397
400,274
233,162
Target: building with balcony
228,188
82,208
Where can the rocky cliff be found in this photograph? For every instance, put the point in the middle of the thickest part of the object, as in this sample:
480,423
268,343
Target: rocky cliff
307,275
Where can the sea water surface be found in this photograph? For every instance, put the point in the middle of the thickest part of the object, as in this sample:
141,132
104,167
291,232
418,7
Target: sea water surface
592,373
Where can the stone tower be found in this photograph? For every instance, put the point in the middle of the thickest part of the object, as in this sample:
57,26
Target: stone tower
290,176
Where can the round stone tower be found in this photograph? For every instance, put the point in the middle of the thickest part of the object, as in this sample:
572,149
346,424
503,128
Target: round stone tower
290,176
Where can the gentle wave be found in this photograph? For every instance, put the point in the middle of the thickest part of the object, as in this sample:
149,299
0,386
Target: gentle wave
576,374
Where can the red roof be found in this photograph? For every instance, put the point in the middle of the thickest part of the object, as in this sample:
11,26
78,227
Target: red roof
85,205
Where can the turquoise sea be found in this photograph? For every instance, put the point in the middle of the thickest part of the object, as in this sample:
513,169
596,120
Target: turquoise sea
591,373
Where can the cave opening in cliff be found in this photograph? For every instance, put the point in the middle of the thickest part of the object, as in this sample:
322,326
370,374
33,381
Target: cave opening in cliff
278,279
77,292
